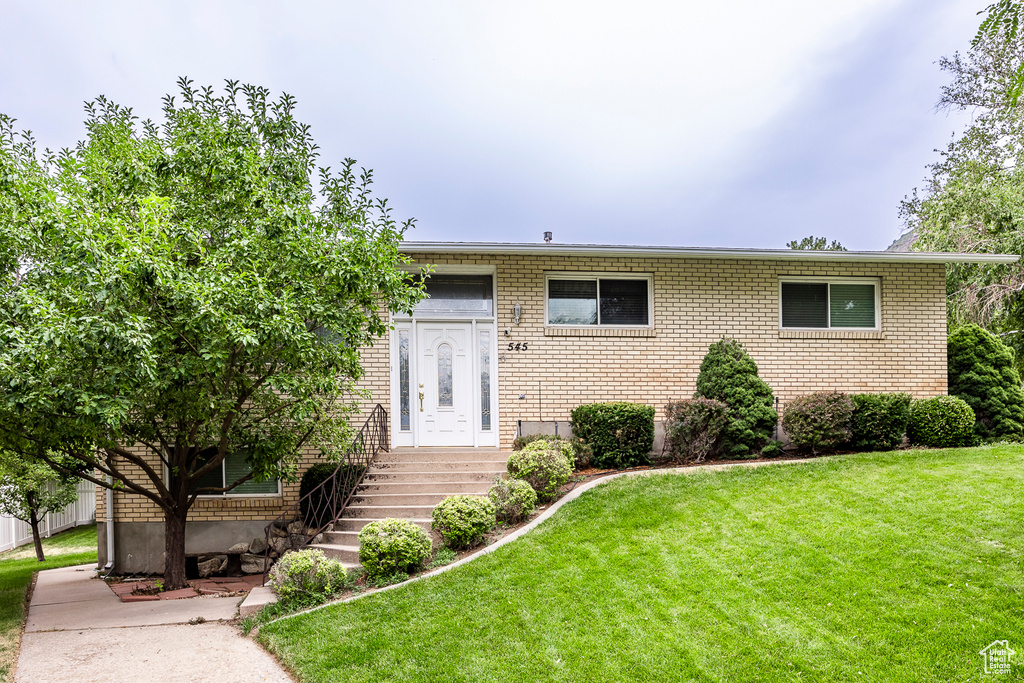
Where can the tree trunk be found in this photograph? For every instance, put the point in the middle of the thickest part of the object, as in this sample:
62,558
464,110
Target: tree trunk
174,549
33,521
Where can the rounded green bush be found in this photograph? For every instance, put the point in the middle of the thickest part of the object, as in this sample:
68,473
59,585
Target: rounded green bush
819,420
879,421
941,422
620,434
462,521
307,573
392,545
513,499
543,466
982,373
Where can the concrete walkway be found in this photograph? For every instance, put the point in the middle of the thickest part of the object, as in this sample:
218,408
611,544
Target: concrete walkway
78,630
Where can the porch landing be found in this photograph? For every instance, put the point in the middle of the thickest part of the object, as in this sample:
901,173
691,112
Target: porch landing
407,483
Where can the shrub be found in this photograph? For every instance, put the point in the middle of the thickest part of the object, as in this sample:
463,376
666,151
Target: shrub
388,546
879,421
579,455
583,453
544,468
941,422
982,373
819,420
316,510
526,439
728,374
694,427
462,521
620,434
772,449
307,574
514,499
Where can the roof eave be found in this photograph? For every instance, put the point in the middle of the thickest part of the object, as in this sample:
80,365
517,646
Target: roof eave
690,252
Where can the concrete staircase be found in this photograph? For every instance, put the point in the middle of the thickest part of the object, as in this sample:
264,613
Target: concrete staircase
407,483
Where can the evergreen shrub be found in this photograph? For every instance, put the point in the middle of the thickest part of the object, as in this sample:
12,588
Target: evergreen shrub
982,373
941,422
694,429
620,434
879,421
728,374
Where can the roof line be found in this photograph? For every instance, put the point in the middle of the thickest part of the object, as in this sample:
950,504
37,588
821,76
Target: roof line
700,252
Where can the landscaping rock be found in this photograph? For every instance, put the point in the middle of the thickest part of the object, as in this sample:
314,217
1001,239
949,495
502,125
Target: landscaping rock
258,546
207,568
319,538
278,545
238,548
296,528
252,564
278,532
297,540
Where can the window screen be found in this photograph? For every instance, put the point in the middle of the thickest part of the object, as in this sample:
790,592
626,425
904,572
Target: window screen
852,305
231,470
598,301
623,302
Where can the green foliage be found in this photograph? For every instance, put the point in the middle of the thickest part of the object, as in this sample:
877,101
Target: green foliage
197,285
879,421
819,420
520,441
316,510
514,499
620,434
772,449
982,373
694,428
387,546
728,374
578,452
383,580
541,465
308,572
816,244
462,521
443,556
941,422
29,489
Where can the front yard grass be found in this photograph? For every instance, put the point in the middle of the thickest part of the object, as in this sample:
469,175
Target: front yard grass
878,567
75,546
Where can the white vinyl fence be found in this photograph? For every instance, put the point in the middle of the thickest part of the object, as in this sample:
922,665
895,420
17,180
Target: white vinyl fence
14,532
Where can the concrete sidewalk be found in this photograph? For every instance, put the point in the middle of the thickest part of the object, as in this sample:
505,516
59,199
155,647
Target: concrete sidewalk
78,630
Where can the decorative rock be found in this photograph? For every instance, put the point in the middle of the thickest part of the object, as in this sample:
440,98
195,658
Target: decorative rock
319,538
209,567
297,540
296,528
258,546
278,545
278,532
252,564
238,548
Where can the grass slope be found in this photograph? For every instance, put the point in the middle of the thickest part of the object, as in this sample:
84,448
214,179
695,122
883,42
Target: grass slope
76,546
880,567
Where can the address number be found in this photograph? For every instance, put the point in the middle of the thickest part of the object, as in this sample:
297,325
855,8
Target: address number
521,346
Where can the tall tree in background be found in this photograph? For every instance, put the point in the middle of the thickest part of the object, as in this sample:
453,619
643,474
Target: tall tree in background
813,243
174,294
973,200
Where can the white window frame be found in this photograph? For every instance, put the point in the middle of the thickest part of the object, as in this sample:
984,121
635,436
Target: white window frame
810,279
231,493
597,277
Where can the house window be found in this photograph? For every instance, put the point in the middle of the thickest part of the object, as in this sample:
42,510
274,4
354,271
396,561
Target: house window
233,468
829,304
599,300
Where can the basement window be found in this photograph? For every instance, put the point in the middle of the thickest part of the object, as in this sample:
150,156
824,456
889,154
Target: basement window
234,467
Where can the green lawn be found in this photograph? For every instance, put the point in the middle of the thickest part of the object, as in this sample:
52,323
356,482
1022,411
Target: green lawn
75,546
879,567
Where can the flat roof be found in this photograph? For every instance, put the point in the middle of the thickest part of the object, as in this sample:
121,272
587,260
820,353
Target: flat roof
625,250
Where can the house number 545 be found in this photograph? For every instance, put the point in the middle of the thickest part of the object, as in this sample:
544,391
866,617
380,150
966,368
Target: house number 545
521,346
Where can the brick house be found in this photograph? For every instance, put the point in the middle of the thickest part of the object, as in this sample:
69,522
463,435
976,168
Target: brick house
514,336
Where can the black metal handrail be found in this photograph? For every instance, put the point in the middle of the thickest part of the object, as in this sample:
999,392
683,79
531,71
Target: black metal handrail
313,513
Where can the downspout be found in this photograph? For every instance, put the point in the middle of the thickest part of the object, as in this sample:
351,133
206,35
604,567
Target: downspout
109,566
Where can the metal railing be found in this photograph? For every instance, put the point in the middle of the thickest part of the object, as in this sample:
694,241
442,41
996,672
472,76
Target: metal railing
313,513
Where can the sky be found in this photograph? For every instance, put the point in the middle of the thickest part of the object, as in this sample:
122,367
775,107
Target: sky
738,123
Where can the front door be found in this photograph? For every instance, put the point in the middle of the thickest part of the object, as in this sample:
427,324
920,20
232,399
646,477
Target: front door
444,387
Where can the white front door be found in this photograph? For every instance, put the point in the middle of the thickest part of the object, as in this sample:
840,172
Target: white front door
444,393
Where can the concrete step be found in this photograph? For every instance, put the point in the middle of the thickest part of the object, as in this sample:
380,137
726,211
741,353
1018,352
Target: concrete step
385,511
430,455
346,524
438,466
446,487
392,499
345,538
412,476
348,555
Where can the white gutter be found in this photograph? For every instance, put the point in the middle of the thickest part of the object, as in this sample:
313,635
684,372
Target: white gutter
625,251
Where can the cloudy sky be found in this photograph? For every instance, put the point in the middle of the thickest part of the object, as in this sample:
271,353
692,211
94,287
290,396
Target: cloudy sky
740,123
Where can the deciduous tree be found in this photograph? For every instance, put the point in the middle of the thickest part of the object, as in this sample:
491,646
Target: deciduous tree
176,292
